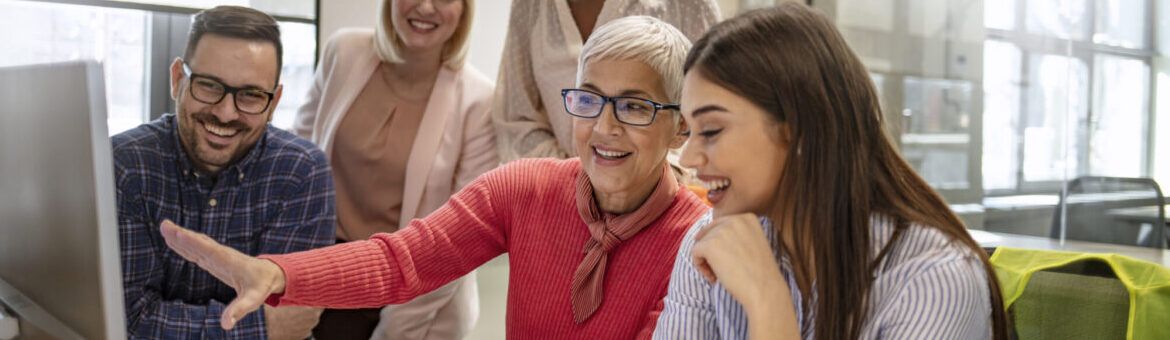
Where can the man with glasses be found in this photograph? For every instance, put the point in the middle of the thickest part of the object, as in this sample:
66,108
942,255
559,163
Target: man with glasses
217,166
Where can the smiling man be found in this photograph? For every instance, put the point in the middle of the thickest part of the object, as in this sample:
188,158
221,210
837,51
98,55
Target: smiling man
217,166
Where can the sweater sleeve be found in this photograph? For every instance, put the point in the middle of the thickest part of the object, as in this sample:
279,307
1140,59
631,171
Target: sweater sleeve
394,268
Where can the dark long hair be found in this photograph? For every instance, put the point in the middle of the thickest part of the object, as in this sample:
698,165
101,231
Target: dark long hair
841,168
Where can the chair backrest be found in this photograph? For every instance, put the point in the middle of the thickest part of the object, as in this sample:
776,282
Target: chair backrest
1078,301
1089,211
1065,295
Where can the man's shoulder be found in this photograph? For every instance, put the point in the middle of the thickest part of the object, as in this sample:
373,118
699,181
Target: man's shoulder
284,146
148,140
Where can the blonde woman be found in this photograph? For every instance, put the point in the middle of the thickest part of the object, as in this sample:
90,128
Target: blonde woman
405,124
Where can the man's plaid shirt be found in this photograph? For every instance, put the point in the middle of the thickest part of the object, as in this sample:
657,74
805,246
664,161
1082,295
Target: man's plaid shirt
278,198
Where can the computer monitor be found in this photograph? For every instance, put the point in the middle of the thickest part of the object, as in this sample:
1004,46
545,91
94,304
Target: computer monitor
59,268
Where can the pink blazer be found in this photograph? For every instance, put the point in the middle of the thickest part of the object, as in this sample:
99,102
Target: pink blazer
455,144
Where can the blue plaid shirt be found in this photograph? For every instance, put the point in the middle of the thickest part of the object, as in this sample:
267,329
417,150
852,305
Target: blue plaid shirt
277,199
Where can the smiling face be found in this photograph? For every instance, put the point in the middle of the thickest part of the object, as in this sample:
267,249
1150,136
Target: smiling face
738,150
216,135
425,25
623,160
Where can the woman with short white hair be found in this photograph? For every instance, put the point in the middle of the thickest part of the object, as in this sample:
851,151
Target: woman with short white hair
404,122
541,54
590,240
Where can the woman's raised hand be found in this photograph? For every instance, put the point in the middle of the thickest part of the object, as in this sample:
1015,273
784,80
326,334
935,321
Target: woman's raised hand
734,251
252,278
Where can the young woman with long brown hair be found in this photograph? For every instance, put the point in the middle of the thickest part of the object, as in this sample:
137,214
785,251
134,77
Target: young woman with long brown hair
819,229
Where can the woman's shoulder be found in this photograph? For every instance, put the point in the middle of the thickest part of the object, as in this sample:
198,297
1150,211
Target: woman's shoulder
691,208
476,87
346,42
540,171
473,77
692,202
921,250
531,181
917,240
704,219
352,36
927,277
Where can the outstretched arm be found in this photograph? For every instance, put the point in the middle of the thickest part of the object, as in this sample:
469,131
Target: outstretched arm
386,269
252,278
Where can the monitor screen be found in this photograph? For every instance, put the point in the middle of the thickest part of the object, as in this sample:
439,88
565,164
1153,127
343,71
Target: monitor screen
59,268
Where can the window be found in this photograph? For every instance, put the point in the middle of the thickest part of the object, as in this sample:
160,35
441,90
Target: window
136,40
998,103
300,52
1006,97
37,32
1071,80
936,120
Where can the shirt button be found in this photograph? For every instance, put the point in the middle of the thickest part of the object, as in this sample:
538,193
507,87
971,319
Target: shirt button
212,202
241,177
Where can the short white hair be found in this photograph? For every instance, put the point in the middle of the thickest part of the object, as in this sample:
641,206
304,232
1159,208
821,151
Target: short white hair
387,42
643,39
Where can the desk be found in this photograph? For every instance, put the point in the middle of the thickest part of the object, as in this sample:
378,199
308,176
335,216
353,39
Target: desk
1139,214
992,239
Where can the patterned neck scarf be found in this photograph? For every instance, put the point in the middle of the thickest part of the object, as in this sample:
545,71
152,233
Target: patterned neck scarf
607,231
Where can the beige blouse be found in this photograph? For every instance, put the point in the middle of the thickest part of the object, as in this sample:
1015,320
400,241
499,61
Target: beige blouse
540,59
370,151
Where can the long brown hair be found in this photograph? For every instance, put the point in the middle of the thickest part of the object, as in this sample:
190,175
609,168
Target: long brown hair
841,168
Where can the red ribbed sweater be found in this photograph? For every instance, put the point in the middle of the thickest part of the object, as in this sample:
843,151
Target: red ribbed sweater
527,209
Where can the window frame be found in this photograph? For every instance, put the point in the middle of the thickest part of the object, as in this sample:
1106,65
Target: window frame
1086,51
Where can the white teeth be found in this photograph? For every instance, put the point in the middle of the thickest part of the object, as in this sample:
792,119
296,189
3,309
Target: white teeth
422,25
220,131
718,184
611,154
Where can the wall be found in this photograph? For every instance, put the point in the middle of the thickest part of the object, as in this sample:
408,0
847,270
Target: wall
337,14
487,37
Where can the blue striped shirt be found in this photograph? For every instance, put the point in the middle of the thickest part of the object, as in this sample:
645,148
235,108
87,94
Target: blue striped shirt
278,198
927,287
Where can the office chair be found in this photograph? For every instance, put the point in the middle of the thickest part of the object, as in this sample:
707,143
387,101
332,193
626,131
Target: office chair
1091,204
1068,296
1083,300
